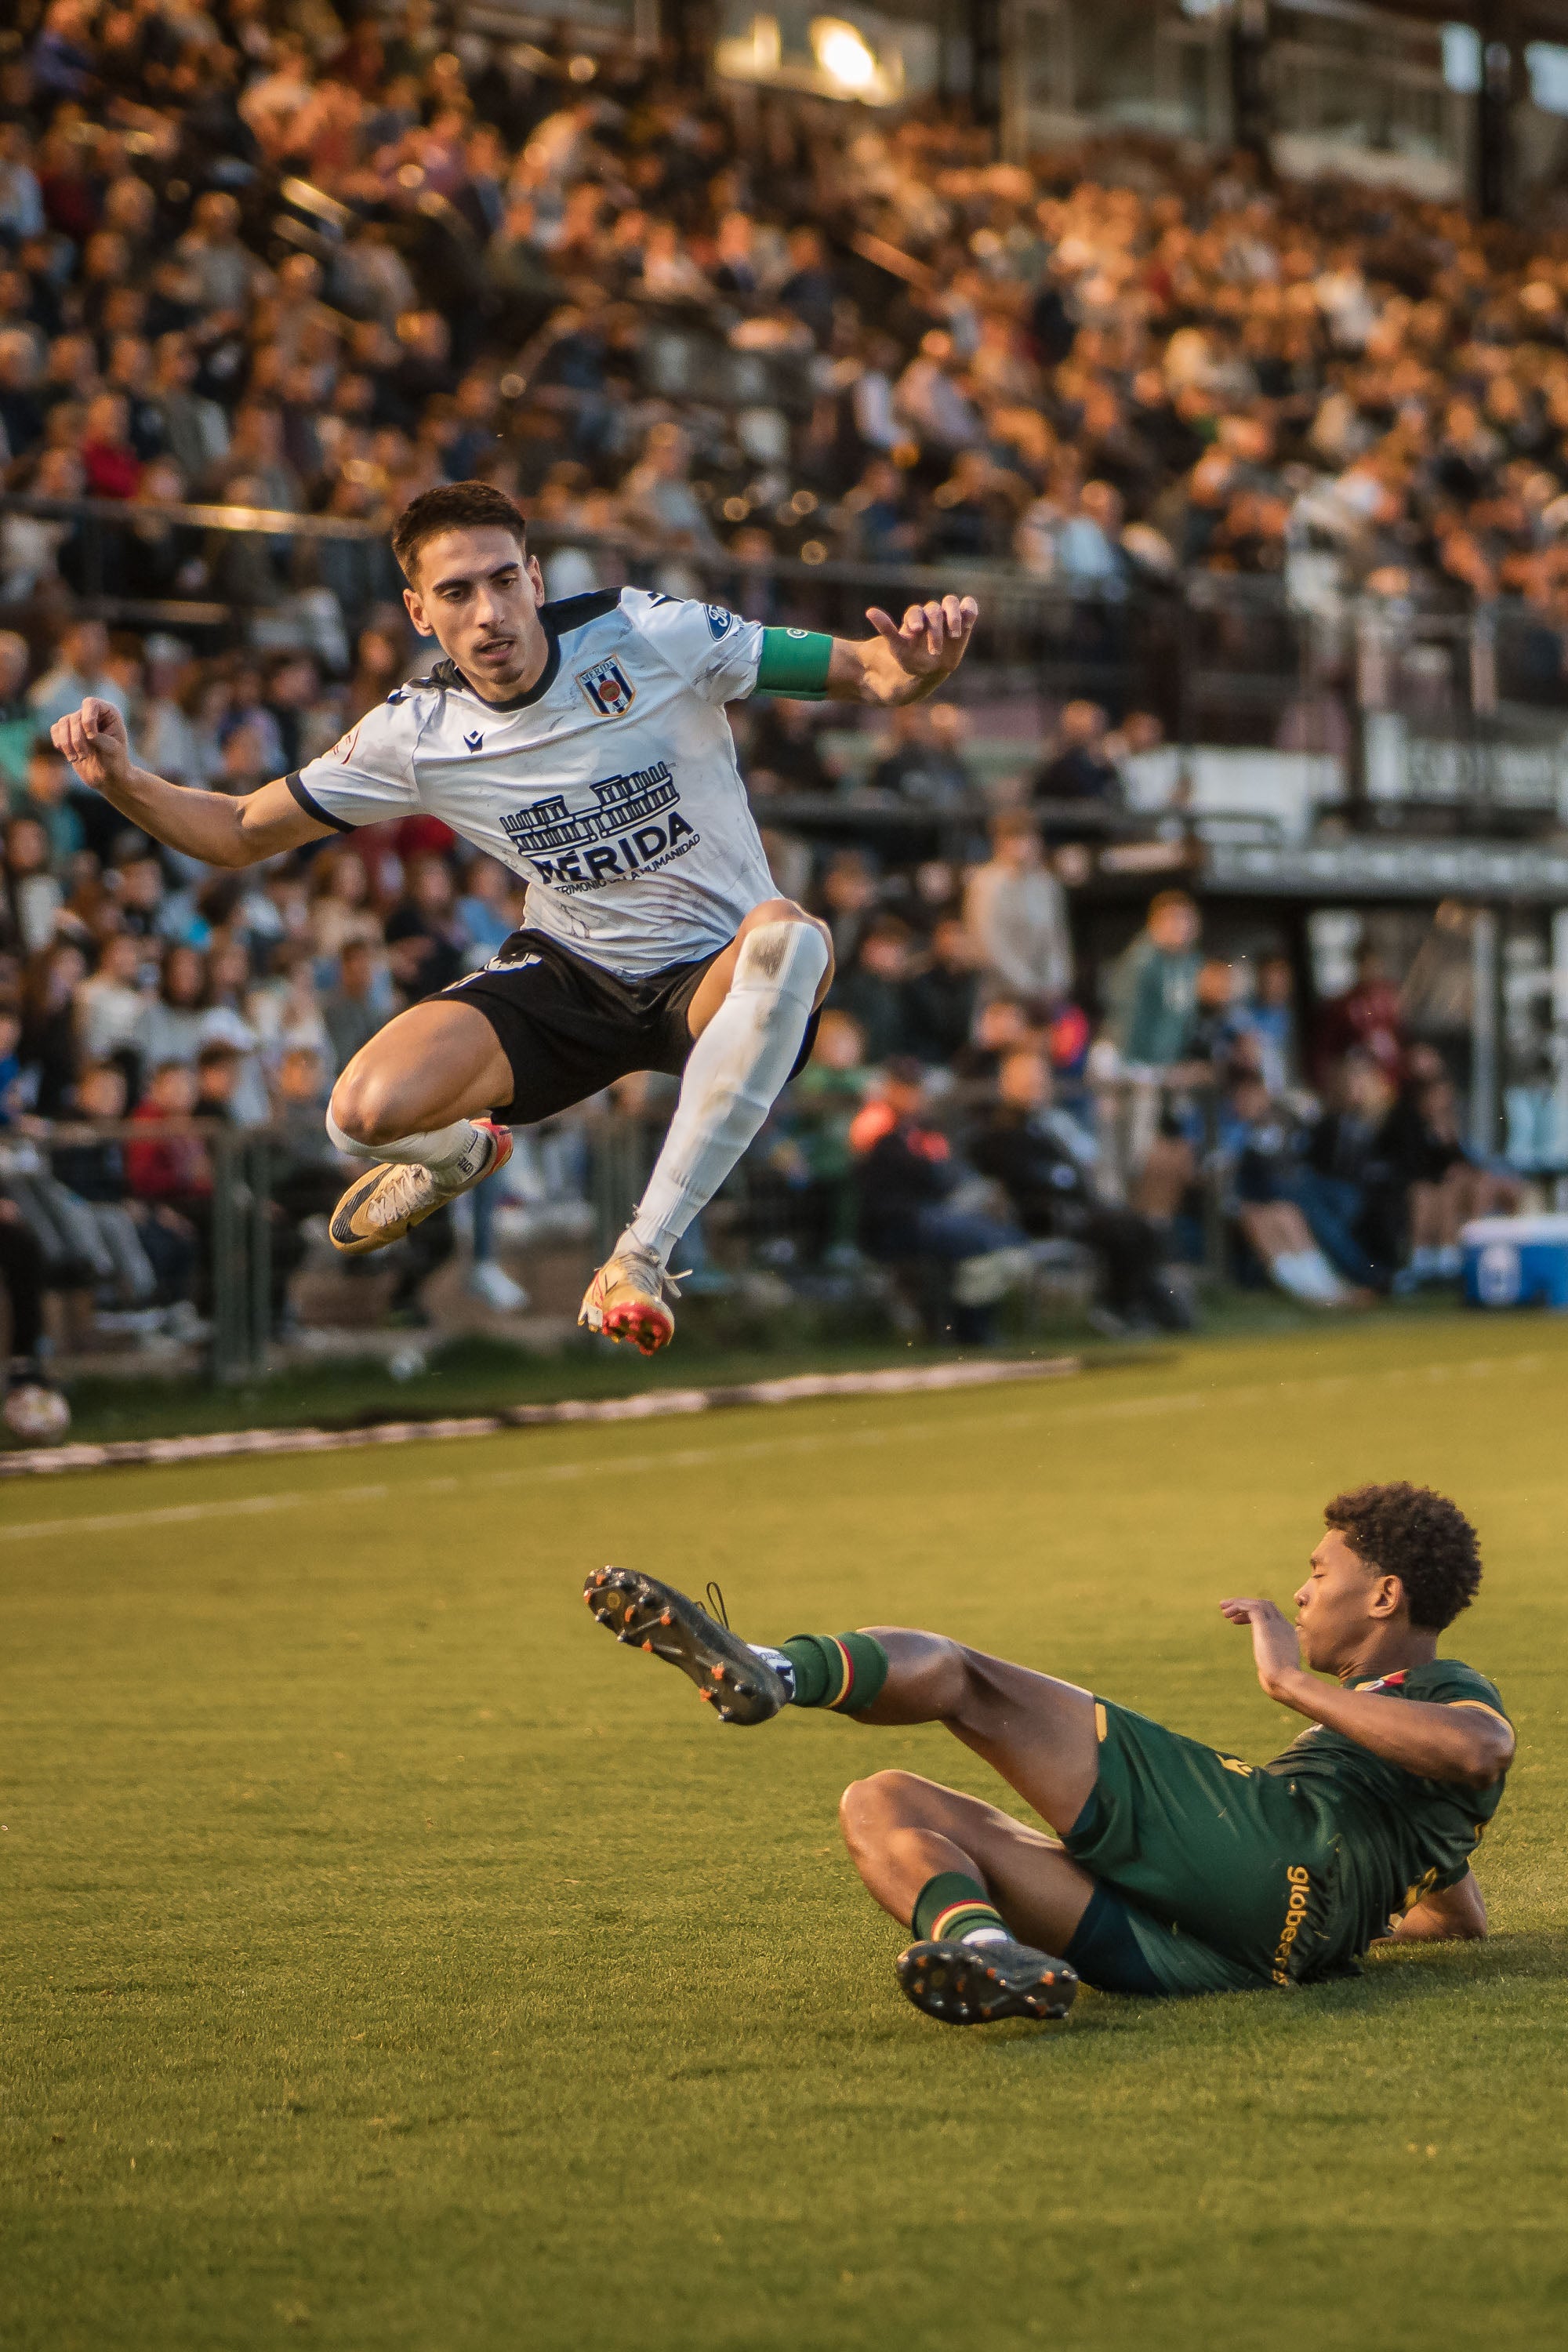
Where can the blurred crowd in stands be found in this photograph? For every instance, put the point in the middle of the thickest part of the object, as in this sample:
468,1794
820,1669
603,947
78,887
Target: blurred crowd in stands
273,256
267,253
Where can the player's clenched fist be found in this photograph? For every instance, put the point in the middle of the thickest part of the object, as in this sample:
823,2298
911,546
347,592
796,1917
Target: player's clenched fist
94,741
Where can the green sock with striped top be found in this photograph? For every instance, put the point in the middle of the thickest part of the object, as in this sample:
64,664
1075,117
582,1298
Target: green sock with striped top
953,1907
838,1670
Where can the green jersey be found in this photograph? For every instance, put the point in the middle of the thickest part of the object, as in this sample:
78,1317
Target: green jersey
1399,1836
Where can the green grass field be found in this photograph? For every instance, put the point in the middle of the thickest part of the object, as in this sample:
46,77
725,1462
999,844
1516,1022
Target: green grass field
389,1960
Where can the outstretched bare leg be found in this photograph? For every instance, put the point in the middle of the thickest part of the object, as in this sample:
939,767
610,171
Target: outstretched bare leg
1038,1733
989,1900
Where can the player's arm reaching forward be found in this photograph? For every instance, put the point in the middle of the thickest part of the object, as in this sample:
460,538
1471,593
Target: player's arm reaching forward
906,659
208,825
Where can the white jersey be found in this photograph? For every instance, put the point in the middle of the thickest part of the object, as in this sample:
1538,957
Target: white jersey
610,786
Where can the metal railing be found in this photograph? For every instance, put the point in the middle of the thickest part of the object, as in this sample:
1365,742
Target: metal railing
237,1278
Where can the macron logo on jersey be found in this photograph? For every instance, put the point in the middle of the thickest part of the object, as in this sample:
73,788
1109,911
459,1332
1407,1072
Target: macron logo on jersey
607,687
475,742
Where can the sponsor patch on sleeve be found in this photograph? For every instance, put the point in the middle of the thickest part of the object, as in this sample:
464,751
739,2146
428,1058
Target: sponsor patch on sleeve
719,622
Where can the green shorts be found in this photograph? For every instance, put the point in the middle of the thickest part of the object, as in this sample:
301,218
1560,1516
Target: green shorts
1229,1873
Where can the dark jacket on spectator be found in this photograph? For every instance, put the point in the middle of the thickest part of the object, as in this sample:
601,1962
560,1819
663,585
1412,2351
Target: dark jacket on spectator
1047,1184
904,1170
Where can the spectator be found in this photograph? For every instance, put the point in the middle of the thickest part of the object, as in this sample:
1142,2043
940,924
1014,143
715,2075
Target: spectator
1349,1190
1366,1017
23,1278
1265,1171
357,1003
173,1028
486,912
339,908
875,991
922,762
820,1110
1153,987
907,1177
81,669
33,898
849,899
47,795
941,995
94,1173
1015,910
1045,1164
424,937
170,1170
1079,768
18,726
1273,1022
1441,1184
307,1174
50,1056
111,1010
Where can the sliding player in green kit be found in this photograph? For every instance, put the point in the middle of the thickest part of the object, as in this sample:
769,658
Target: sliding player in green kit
1179,1869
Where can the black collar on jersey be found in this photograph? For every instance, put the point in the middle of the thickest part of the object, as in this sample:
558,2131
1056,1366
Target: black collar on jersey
558,620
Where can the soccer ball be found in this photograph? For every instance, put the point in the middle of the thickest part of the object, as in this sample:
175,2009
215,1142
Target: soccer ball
36,1414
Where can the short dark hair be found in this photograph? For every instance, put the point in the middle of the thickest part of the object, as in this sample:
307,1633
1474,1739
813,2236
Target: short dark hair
1417,1536
453,506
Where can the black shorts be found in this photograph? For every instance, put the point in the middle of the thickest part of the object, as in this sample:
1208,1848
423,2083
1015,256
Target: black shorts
569,1028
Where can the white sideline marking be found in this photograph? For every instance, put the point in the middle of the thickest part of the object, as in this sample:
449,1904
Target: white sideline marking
698,1456
651,1404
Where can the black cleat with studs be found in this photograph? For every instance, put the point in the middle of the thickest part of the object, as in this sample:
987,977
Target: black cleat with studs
977,1984
741,1686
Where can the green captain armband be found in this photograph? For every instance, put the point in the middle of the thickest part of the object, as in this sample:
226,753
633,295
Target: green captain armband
795,662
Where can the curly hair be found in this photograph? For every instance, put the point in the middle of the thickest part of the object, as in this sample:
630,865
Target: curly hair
1417,1536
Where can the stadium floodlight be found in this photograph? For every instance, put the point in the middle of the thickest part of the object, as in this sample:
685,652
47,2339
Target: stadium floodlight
1461,59
842,52
1546,63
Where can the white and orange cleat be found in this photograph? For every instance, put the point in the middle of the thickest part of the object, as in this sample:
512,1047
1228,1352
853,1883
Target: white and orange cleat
625,1301
383,1205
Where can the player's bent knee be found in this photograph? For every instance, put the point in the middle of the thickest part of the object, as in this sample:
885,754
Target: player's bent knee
365,1105
886,1801
784,949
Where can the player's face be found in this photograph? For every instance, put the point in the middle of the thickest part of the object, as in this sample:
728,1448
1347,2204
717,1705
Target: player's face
480,596
1337,1604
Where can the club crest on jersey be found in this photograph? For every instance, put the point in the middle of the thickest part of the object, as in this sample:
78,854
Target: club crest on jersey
607,687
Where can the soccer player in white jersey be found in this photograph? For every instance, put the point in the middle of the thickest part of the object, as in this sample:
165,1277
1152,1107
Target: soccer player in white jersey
584,745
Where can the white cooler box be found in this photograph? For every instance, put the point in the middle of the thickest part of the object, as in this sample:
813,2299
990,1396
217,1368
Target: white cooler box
1516,1261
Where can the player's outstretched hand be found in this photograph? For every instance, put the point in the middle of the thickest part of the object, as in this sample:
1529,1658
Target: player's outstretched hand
1276,1646
94,741
926,645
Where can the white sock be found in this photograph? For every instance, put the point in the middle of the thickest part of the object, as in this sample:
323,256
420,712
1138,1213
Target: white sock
986,1935
736,1070
457,1150
1306,1275
781,1662
1313,1279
